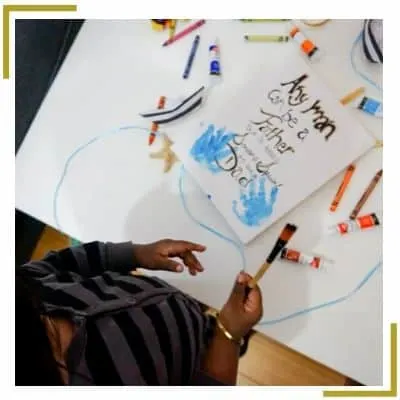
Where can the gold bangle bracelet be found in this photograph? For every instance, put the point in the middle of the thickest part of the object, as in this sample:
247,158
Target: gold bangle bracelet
227,334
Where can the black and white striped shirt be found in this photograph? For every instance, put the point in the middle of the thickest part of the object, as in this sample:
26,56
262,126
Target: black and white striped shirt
131,330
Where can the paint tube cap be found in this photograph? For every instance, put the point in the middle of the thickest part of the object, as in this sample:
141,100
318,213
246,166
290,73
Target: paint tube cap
316,56
379,215
215,80
326,263
331,230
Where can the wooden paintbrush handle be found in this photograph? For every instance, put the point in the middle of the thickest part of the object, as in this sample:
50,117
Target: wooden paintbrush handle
263,269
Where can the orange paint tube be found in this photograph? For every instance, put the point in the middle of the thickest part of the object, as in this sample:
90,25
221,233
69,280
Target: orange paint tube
296,256
359,224
306,45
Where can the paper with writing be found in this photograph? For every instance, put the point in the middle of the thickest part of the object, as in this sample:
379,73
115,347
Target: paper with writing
271,145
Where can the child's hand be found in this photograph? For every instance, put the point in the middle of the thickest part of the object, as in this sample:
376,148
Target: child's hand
242,310
157,256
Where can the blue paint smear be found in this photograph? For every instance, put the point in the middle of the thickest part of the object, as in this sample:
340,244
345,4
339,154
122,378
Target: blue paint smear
256,207
211,146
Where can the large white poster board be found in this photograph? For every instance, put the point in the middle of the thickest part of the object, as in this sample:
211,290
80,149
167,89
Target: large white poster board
271,145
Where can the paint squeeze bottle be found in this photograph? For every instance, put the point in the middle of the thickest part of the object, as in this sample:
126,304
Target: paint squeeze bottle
312,260
371,106
361,223
307,46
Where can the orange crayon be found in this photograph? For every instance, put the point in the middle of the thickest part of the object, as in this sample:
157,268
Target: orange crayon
342,187
154,126
366,194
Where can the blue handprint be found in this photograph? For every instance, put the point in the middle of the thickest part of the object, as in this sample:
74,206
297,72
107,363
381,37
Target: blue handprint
255,205
211,146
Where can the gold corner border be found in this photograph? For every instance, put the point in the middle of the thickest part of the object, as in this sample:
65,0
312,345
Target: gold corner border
392,392
8,9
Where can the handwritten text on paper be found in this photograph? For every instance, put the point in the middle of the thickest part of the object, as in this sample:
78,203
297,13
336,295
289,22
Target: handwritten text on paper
284,122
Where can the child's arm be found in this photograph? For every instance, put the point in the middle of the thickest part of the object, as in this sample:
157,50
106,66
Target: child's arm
94,258
86,260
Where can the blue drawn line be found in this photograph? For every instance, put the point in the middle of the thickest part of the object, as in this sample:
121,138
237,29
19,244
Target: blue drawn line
326,304
238,246
211,147
75,153
256,206
353,64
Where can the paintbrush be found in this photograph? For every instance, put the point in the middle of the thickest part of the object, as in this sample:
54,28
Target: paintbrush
284,237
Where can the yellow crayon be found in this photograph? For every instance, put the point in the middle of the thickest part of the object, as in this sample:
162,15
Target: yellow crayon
266,38
264,20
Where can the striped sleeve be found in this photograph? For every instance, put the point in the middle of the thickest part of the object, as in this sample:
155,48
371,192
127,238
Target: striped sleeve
87,260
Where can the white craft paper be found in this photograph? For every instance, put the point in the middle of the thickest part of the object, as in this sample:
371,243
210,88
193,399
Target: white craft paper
271,145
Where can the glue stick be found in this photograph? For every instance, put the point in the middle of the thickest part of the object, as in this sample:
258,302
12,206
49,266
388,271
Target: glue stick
215,66
358,224
296,256
306,45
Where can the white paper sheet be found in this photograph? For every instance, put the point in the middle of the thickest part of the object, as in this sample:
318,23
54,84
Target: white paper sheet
270,145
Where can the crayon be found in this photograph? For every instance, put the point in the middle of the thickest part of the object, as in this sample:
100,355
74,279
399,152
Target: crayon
342,187
366,194
154,125
185,32
264,20
192,54
266,38
352,96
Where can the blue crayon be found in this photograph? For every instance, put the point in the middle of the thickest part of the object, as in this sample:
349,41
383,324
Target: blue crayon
192,54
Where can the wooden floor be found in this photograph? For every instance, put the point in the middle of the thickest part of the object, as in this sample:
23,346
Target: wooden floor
266,361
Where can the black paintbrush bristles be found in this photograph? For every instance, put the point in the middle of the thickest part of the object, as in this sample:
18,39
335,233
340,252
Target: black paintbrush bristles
284,237
288,232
